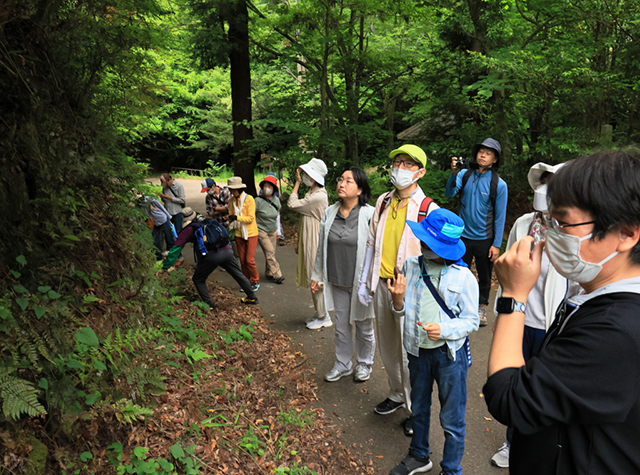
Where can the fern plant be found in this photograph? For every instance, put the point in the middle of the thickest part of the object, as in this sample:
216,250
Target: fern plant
18,396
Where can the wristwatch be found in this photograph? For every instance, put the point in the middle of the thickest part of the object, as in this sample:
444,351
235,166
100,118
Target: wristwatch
509,305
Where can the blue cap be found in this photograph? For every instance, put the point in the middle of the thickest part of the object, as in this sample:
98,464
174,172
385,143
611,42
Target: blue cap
441,231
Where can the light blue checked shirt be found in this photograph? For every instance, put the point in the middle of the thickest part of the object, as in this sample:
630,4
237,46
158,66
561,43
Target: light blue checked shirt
459,290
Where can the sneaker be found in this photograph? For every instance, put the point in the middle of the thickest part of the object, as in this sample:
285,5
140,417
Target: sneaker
281,243
411,465
249,301
363,372
501,457
309,320
255,286
482,314
319,323
279,280
408,427
388,406
335,375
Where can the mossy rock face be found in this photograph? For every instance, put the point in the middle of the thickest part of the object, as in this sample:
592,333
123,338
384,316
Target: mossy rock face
37,458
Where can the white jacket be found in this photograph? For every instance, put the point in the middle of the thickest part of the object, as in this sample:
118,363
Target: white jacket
357,311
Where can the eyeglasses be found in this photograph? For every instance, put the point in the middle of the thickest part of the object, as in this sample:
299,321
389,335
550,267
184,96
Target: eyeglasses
348,181
553,222
410,164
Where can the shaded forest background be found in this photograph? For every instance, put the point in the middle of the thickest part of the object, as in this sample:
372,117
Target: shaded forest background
94,93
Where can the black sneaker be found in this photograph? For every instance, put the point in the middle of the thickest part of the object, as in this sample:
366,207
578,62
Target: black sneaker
408,427
411,465
388,406
249,301
279,280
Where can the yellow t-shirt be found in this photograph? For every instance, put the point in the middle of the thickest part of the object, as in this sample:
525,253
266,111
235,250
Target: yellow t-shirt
393,229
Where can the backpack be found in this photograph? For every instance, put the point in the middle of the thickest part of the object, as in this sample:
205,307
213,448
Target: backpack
422,212
210,235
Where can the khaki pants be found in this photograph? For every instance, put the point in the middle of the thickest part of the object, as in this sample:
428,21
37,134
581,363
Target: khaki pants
268,242
391,346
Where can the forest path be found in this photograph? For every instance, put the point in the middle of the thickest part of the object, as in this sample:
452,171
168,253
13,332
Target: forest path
349,405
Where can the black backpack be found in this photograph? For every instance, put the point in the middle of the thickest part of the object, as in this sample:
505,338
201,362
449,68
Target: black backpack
210,236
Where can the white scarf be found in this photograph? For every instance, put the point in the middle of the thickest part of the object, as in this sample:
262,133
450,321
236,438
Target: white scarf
237,224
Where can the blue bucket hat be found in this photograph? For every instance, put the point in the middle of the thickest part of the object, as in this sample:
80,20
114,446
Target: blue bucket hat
441,231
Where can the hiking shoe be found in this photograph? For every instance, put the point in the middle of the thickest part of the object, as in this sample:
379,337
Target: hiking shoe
335,375
255,286
319,323
363,372
411,465
249,301
482,314
408,427
501,457
279,280
388,406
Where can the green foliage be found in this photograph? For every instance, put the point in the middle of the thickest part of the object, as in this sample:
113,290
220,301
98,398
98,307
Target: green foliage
18,396
241,333
296,418
141,463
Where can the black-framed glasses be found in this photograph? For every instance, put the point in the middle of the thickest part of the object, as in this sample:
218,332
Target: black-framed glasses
410,164
553,222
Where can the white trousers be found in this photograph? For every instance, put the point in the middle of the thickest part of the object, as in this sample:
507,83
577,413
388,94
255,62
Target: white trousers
365,334
391,346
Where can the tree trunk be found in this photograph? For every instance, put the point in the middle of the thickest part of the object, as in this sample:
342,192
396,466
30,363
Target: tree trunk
243,163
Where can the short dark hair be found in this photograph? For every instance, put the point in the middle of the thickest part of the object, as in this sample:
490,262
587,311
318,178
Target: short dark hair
360,177
605,184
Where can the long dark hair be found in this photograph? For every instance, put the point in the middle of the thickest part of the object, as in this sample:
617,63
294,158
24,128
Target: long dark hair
360,177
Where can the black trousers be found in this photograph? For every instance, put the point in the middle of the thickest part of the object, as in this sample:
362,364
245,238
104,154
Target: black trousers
484,266
207,264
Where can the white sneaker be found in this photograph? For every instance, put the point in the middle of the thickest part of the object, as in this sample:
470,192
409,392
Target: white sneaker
482,315
335,375
363,372
501,457
318,323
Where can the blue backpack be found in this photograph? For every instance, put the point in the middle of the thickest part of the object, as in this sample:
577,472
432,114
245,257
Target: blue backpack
210,235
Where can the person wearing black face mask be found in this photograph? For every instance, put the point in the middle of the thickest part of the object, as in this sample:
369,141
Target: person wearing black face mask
575,406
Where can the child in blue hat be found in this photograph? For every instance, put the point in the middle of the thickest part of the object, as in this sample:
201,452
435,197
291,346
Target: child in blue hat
437,295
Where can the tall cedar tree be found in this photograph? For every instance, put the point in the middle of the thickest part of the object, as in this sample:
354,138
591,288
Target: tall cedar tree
215,45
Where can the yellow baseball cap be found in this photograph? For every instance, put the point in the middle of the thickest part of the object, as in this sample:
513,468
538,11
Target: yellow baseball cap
413,151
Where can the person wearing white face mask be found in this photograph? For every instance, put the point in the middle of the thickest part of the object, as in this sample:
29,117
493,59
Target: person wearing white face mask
483,197
312,208
390,243
575,406
550,289
267,211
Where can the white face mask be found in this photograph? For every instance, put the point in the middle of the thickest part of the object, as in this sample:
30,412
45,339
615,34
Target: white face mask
564,253
307,180
267,190
401,178
428,254
540,198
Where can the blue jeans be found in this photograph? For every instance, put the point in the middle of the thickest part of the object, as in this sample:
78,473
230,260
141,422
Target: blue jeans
451,376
